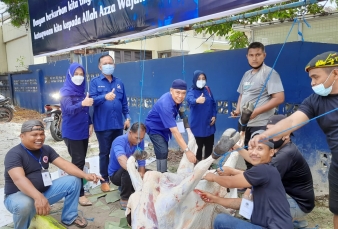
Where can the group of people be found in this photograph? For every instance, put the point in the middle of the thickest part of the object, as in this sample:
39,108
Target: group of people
278,179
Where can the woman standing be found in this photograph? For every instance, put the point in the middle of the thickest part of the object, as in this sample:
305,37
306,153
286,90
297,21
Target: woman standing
76,122
202,114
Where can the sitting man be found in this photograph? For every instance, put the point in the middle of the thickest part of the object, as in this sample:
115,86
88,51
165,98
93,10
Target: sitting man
295,173
270,207
29,189
122,148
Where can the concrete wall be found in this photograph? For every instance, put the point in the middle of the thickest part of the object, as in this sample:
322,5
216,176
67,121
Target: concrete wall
3,55
323,29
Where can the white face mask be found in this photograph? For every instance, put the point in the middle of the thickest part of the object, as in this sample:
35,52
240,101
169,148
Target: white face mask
200,83
320,88
77,80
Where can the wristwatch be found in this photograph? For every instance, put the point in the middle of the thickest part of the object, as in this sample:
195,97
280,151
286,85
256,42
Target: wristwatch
186,149
128,119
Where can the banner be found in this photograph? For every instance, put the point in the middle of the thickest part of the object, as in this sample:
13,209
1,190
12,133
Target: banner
57,26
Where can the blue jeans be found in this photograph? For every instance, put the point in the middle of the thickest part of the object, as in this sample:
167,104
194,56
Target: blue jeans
225,221
296,212
23,209
160,146
105,139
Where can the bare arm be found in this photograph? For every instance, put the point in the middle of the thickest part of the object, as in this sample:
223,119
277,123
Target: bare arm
237,111
243,152
123,161
275,100
237,181
233,203
24,185
228,171
180,141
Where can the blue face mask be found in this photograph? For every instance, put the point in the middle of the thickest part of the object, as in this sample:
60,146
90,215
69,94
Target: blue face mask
320,88
108,69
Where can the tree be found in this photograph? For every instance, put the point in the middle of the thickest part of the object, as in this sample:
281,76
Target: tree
238,39
18,10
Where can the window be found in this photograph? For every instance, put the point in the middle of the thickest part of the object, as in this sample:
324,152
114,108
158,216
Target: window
122,56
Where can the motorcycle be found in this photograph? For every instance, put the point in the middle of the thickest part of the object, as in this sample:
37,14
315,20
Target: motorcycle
54,119
6,109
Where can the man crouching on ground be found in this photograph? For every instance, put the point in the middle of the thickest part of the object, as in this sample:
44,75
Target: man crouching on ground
29,189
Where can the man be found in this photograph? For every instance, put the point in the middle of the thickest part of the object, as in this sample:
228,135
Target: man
270,208
250,90
110,102
122,148
161,124
28,186
323,71
295,173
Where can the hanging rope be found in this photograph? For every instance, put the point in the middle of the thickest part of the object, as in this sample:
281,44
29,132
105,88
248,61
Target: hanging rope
142,60
182,53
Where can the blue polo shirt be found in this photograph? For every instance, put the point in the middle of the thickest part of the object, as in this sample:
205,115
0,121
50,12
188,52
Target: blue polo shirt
162,116
108,114
121,146
75,118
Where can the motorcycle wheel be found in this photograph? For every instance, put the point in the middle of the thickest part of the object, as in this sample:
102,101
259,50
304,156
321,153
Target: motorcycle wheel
55,128
6,114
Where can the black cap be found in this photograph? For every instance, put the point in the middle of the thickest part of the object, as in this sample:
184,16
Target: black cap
326,59
179,84
268,143
276,118
28,126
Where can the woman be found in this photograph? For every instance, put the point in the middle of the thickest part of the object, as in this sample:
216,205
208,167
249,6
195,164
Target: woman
76,122
202,114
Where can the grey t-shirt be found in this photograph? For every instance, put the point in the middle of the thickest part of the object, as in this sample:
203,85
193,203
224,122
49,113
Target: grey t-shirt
251,86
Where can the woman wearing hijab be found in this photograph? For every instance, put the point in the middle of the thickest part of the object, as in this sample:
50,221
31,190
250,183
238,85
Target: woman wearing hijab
202,114
76,122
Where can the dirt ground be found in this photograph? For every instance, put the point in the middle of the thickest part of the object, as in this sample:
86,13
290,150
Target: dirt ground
105,211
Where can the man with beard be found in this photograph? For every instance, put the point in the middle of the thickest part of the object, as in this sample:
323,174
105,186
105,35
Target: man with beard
250,90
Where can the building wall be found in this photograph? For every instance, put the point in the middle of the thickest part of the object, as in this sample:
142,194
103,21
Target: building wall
323,29
3,55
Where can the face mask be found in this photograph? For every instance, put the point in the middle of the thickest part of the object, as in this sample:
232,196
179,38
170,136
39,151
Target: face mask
277,144
108,69
200,83
77,80
320,88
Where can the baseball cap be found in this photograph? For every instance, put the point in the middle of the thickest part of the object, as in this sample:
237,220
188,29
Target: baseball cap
267,142
30,124
326,59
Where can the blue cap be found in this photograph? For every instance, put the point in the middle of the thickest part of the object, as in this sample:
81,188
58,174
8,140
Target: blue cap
179,84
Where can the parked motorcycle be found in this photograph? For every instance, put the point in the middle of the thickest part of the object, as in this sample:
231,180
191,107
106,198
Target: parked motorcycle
6,109
54,119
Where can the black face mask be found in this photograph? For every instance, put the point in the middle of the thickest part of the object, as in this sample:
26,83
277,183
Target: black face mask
258,67
278,143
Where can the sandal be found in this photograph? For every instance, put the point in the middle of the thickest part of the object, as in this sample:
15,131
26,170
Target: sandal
83,201
123,204
79,222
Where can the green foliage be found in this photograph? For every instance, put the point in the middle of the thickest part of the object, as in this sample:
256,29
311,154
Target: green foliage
18,10
238,39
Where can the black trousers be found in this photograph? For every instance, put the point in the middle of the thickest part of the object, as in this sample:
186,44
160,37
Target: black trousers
248,132
121,178
77,149
208,143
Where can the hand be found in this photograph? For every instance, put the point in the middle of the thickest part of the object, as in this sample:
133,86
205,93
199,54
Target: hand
235,113
111,95
258,138
213,120
227,171
126,124
42,206
91,129
200,99
141,174
209,177
87,102
191,156
206,196
93,177
254,114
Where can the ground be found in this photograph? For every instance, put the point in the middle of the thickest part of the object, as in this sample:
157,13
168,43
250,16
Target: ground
105,212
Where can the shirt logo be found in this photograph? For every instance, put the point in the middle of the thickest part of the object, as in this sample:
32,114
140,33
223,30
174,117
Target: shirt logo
45,159
100,86
118,86
247,85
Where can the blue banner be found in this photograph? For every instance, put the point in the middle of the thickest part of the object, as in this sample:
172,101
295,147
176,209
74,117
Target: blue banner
69,24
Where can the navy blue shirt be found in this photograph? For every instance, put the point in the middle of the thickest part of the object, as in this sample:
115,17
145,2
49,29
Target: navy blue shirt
75,118
162,116
315,105
271,208
108,114
201,114
296,176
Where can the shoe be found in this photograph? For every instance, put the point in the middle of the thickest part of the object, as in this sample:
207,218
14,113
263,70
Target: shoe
83,201
300,224
105,187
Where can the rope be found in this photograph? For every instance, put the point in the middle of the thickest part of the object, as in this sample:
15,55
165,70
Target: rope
182,53
141,85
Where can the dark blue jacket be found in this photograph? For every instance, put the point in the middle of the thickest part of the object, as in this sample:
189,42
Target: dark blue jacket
108,114
201,114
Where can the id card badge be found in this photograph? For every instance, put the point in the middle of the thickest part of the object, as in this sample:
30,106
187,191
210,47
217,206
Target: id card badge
180,126
47,180
246,208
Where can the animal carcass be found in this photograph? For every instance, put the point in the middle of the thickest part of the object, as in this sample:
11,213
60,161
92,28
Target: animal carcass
167,200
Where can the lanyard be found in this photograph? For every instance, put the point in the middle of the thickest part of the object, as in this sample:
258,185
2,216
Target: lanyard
38,160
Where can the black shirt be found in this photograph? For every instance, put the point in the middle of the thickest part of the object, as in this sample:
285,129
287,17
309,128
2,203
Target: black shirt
271,208
296,176
315,105
19,157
